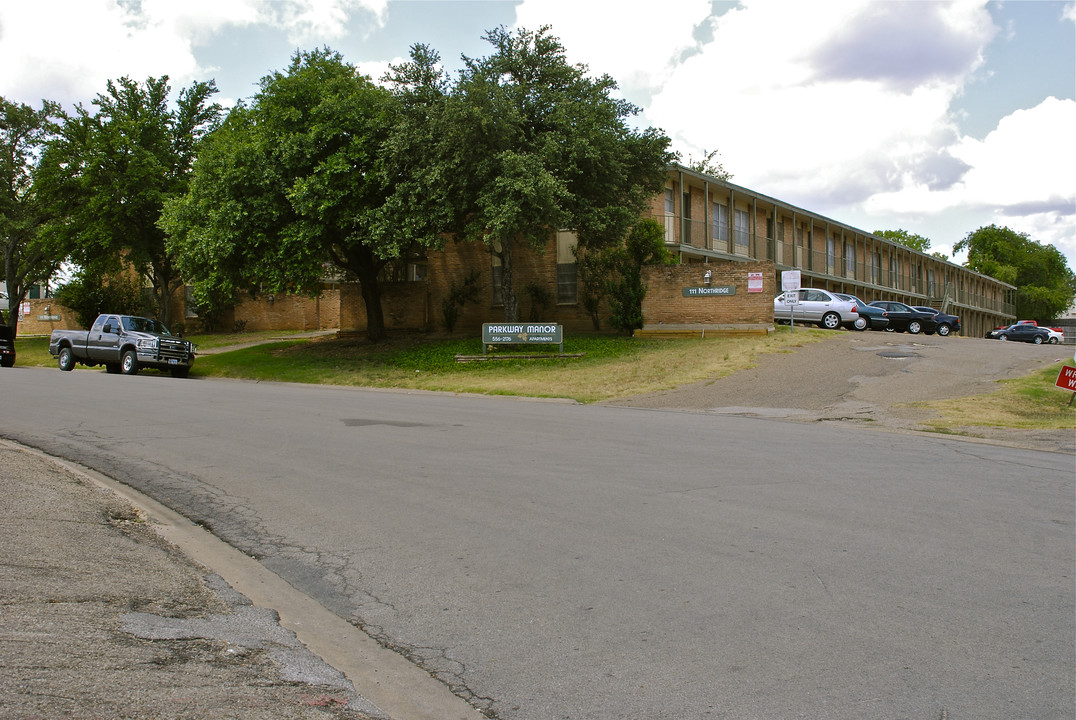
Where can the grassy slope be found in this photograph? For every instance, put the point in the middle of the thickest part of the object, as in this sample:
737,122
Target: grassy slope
611,367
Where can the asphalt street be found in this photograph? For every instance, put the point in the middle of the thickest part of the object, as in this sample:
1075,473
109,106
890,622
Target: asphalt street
547,560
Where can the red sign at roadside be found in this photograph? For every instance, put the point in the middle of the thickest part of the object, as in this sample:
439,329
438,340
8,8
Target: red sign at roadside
1066,379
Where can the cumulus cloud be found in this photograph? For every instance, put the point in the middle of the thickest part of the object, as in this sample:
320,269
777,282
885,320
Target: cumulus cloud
309,21
96,40
638,49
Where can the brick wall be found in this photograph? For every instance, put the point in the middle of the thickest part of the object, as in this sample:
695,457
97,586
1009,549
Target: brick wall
403,304
34,324
665,302
286,312
449,267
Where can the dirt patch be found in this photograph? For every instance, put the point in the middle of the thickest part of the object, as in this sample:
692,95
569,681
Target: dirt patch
868,379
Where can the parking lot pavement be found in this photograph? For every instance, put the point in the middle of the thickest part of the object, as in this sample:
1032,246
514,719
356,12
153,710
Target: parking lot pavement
100,617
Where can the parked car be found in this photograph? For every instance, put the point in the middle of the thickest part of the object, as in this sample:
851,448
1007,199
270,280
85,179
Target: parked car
904,318
820,307
7,346
1057,335
1023,332
870,317
123,343
4,302
946,323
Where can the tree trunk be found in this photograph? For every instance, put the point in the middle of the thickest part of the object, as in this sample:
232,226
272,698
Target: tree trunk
366,266
508,295
375,316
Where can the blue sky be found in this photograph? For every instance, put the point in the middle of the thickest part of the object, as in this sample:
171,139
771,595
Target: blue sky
934,117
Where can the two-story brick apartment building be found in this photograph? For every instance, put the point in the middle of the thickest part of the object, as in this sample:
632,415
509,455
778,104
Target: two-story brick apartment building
738,232
709,219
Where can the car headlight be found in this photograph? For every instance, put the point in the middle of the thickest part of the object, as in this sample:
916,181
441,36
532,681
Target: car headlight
147,344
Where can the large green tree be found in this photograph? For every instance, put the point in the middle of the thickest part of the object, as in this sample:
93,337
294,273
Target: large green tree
1045,285
109,173
26,259
523,144
291,184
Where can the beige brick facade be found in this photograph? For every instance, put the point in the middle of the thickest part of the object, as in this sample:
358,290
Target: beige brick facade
677,295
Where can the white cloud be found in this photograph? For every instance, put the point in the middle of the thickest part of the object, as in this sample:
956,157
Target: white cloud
637,48
798,110
67,50
312,21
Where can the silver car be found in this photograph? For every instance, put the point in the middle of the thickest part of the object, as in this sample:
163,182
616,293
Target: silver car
812,305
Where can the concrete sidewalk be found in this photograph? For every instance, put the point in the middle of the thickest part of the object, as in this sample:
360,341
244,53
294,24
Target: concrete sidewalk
103,617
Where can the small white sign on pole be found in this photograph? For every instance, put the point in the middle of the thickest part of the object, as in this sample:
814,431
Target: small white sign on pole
790,284
790,280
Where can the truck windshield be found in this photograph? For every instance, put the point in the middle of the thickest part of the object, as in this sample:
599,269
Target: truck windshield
140,324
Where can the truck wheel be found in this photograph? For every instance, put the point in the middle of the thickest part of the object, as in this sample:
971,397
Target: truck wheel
112,368
66,359
129,363
180,372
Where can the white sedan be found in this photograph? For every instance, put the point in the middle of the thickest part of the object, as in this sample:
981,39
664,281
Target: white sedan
812,305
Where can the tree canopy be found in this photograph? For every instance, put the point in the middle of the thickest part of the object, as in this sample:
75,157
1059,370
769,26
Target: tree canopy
108,174
26,260
905,238
289,185
524,144
1045,285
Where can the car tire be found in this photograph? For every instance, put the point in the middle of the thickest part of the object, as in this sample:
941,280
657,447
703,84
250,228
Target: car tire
129,363
7,362
1053,341
1037,340
1003,337
915,327
66,359
944,330
830,321
861,323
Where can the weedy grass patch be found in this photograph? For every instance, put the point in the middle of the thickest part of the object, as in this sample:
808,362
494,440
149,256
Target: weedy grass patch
1032,402
608,367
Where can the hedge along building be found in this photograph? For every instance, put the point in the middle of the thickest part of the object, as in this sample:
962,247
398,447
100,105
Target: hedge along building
743,238
707,219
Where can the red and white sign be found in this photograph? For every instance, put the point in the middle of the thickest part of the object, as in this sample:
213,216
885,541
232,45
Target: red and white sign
754,282
1066,379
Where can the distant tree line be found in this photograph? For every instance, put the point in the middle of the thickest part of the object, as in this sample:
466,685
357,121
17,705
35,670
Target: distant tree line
1045,285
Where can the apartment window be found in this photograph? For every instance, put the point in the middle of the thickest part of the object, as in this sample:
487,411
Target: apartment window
670,216
719,220
190,308
831,255
742,232
894,271
876,268
849,260
567,286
